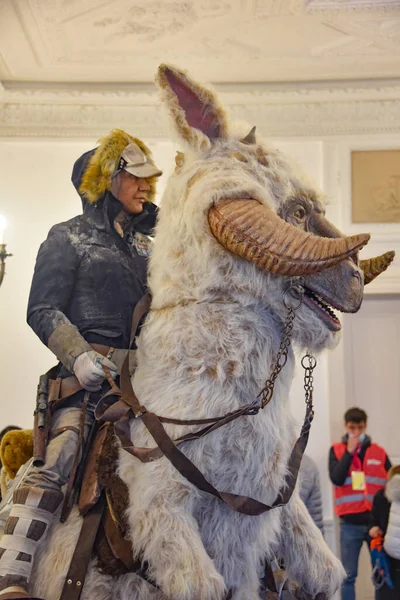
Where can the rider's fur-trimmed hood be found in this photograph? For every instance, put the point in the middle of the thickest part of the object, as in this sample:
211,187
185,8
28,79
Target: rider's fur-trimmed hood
97,176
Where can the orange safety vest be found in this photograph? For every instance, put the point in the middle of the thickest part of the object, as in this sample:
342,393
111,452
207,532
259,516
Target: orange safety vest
349,501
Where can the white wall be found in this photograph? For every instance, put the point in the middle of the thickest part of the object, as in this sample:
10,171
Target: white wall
363,370
35,192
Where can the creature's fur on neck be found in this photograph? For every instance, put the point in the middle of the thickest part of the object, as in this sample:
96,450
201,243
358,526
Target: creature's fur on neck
207,347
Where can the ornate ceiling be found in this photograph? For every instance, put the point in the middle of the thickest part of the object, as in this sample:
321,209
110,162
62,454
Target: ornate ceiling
219,40
296,67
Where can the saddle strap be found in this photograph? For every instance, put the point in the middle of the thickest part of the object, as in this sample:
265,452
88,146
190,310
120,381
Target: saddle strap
109,409
139,313
77,570
238,503
168,448
68,496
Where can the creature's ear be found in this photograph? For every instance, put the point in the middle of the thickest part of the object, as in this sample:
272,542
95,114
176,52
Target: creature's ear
194,108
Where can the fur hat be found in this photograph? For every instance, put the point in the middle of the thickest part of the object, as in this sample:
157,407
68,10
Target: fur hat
15,450
101,167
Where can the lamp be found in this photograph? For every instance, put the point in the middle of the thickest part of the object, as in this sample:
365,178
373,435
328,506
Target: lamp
3,250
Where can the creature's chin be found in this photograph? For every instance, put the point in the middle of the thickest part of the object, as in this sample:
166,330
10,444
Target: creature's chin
322,307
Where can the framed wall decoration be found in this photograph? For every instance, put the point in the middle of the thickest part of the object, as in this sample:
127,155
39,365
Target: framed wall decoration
362,183
375,186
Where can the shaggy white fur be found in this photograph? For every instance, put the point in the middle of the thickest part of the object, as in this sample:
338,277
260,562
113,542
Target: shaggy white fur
207,348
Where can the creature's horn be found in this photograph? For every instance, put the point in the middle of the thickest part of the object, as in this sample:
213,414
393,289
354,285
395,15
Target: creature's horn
250,137
253,231
373,267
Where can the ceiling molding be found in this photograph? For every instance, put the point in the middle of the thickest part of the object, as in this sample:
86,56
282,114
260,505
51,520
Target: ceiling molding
346,5
279,110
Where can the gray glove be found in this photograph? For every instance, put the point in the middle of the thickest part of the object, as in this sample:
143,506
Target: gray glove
88,369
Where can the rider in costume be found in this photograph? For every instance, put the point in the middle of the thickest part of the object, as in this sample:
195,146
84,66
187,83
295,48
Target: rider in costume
90,273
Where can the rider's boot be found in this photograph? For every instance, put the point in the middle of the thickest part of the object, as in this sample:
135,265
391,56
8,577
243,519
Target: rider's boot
26,527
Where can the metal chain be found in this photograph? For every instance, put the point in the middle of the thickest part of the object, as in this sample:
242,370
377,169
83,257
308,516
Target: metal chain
265,396
292,299
308,362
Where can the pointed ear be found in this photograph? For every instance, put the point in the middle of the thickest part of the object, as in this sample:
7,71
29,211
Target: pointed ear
194,108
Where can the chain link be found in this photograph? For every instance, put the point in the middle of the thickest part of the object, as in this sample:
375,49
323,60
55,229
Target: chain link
308,362
265,396
292,299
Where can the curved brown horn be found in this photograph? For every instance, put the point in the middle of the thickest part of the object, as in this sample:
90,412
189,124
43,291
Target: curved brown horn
255,232
250,137
373,267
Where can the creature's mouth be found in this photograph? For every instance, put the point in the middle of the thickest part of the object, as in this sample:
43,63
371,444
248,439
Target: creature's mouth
323,307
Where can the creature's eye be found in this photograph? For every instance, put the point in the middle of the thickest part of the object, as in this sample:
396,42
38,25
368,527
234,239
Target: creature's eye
299,213
240,156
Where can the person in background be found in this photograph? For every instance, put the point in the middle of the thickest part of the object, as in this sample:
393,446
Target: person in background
358,469
385,522
310,490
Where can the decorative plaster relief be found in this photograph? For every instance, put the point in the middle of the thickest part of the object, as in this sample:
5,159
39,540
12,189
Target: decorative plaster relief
226,40
286,111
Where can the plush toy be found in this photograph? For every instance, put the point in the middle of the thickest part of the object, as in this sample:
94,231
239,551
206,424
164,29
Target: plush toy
15,450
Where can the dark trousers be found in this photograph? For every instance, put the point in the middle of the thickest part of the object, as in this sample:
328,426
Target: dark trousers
352,538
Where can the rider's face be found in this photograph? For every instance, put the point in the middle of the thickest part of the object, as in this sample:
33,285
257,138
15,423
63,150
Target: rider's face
131,191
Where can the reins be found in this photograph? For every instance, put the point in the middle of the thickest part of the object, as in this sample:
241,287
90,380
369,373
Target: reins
127,407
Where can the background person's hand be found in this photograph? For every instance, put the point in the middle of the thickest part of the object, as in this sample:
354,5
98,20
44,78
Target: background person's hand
375,532
352,443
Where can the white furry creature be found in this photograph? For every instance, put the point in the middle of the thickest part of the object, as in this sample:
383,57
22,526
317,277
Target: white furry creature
238,221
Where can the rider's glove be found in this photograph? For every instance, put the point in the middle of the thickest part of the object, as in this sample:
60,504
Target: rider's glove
69,345
88,369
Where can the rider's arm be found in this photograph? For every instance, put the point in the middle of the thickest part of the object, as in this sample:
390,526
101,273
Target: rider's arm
52,286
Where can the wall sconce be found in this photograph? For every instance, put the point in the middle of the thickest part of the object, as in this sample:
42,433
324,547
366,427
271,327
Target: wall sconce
3,250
